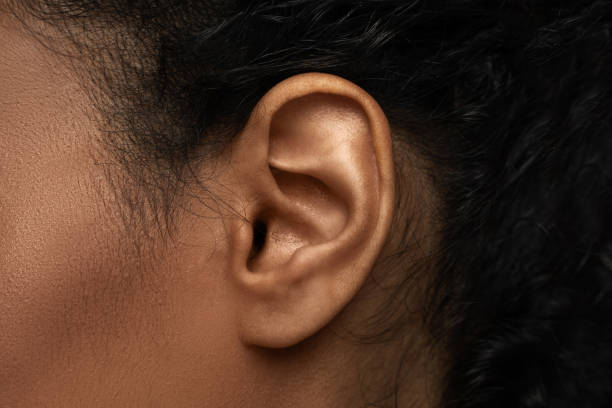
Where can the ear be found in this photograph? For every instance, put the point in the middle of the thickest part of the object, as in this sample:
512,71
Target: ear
315,165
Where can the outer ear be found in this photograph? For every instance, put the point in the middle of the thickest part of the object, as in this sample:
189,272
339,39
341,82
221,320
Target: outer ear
316,167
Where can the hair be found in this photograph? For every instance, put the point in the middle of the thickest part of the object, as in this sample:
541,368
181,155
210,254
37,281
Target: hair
509,101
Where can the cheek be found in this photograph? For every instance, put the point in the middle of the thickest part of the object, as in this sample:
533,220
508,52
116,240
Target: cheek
75,293
78,295
87,312
66,274
59,256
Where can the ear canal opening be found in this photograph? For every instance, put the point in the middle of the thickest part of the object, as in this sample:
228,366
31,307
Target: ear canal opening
260,233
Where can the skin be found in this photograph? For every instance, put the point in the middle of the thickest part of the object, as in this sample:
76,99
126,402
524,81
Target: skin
95,315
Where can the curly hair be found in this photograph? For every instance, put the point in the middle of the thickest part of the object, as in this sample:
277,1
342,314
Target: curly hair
510,102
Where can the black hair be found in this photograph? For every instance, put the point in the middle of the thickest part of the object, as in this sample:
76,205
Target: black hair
511,103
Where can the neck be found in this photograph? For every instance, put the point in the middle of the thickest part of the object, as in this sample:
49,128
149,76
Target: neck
332,370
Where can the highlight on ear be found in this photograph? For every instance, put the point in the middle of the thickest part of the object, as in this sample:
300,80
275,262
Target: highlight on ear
315,165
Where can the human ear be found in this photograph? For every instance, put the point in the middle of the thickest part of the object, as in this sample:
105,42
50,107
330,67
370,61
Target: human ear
314,165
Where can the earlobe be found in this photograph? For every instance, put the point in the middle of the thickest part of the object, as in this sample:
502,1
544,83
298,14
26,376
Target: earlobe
315,165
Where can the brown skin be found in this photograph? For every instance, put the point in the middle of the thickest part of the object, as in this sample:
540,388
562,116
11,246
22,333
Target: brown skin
92,317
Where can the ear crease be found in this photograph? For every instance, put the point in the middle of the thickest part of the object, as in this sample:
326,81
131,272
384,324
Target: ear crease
314,201
260,236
